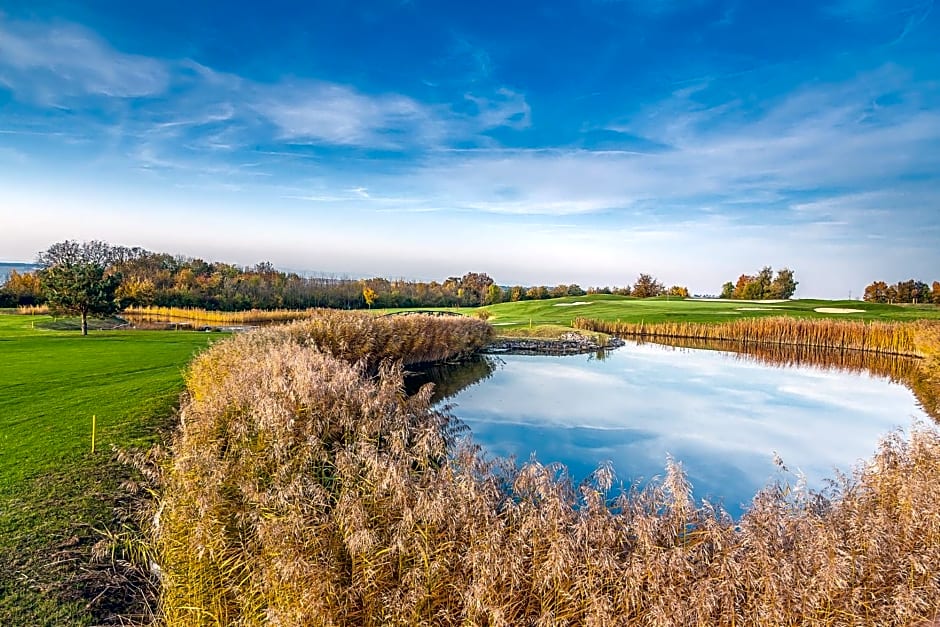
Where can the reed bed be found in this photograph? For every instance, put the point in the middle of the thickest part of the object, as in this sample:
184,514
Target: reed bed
251,316
304,488
880,337
32,310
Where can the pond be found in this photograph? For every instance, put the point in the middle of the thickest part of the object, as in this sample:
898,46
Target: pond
722,415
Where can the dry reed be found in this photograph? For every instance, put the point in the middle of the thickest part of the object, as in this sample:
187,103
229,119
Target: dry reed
32,310
251,316
302,490
880,337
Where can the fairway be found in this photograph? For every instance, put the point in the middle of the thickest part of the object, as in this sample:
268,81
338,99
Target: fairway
562,311
53,490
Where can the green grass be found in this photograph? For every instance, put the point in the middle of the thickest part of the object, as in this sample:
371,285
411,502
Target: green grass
510,316
54,492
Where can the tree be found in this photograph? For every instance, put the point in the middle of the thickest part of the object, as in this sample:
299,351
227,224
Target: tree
679,291
764,279
877,292
935,293
647,286
762,286
741,289
537,292
135,292
75,280
369,295
23,289
559,290
891,294
905,291
494,294
475,284
783,286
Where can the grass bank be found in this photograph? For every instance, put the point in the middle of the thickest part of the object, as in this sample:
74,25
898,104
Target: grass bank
54,493
302,489
563,311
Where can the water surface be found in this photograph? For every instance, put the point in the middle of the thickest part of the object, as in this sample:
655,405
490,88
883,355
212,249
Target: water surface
722,416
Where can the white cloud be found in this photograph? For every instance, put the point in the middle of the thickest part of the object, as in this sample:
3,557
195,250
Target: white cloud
341,116
50,62
62,65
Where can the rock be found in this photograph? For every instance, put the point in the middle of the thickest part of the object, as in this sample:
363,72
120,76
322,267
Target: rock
570,343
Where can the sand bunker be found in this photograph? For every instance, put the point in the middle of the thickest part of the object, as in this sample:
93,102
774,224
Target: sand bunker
758,308
837,310
580,302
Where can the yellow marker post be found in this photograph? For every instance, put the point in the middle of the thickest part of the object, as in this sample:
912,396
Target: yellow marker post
94,420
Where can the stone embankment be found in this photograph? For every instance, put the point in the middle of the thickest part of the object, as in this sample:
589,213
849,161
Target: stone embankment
566,344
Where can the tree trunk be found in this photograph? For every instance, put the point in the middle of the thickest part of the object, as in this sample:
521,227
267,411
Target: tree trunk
84,323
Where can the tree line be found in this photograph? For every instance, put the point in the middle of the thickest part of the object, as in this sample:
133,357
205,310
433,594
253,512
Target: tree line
910,291
138,277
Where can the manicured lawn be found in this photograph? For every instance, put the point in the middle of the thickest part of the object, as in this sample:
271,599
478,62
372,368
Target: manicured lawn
561,311
54,492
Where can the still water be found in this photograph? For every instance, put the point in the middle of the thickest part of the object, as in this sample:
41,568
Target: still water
721,415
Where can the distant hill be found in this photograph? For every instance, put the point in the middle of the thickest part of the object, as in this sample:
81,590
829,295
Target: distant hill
19,267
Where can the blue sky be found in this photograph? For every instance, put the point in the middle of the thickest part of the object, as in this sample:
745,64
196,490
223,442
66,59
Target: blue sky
572,142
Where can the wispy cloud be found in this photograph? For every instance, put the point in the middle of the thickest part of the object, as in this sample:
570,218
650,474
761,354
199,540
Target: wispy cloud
823,138
49,62
203,109
341,116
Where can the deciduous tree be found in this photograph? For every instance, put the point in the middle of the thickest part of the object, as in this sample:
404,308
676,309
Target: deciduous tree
494,294
876,292
75,280
647,286
369,295
475,285
741,287
22,288
784,285
762,286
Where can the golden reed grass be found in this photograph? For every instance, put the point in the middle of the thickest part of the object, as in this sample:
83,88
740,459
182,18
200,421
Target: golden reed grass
32,310
251,316
880,337
304,488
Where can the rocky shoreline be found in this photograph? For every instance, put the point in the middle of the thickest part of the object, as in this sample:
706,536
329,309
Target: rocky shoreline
567,344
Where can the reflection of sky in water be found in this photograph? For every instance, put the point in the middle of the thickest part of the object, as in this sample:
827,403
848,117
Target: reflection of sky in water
721,416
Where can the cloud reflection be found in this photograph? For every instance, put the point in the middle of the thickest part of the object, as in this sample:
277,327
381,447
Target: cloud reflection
723,417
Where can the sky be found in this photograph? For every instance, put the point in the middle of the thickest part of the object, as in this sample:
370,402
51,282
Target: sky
567,142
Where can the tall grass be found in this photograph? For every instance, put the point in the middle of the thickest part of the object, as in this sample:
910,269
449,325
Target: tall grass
304,488
251,316
32,310
880,337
